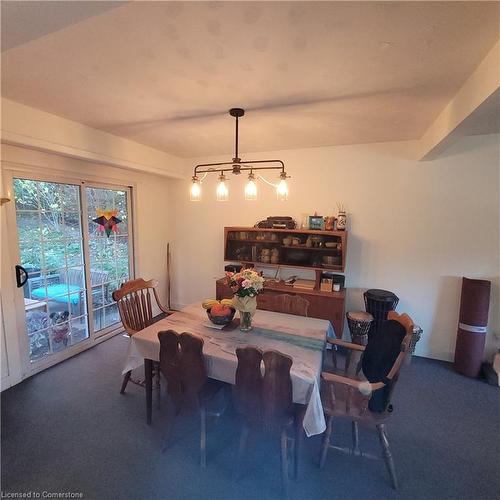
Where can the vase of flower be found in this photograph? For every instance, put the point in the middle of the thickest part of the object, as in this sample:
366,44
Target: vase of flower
245,285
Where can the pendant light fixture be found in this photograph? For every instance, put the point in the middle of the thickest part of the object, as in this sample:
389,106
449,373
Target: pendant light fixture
251,188
236,166
222,189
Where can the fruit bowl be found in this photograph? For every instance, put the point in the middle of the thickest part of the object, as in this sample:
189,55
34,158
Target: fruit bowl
221,319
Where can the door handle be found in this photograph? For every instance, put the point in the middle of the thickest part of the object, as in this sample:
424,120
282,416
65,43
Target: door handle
21,276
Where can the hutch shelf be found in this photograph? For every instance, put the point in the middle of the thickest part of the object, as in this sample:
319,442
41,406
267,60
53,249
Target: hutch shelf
319,251
306,249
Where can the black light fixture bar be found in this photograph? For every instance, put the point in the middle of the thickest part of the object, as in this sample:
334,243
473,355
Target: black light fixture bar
236,162
236,166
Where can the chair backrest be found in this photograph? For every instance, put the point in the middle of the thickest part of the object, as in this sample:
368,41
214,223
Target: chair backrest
135,303
76,276
266,399
248,385
289,304
384,356
277,386
181,363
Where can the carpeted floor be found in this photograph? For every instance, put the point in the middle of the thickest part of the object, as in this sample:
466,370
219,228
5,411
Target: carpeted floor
69,430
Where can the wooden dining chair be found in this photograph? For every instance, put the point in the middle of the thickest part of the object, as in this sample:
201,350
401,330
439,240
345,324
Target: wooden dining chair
182,365
288,303
135,300
266,402
367,401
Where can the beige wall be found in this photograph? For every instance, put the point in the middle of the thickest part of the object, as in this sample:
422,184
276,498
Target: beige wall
151,203
414,227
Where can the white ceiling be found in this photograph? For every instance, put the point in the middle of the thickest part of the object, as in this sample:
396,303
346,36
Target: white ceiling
308,73
23,21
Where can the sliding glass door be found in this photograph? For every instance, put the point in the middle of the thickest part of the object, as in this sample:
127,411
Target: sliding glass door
74,251
110,255
49,227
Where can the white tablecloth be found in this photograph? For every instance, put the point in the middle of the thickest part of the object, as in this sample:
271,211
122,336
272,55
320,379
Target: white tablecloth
220,358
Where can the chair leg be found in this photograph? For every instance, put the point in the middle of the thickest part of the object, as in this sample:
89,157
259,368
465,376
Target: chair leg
284,462
126,378
158,386
203,436
170,427
334,356
326,442
348,359
242,449
355,438
299,434
389,461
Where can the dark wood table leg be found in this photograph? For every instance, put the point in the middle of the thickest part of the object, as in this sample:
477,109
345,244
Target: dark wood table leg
148,371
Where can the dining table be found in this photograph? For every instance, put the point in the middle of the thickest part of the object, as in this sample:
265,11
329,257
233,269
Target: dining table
301,338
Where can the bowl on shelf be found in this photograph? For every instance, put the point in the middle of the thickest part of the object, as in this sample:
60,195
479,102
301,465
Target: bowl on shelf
222,319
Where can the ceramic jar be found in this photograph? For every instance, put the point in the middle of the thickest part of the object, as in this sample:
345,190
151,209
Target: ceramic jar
341,221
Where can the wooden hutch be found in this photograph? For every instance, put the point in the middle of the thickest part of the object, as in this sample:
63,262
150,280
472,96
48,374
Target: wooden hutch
318,251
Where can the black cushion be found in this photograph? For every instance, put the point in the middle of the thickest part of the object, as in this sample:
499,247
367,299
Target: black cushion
380,354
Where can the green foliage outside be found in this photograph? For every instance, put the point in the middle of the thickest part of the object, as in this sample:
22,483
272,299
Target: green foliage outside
51,212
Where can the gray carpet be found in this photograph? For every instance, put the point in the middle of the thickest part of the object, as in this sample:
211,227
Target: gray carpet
69,430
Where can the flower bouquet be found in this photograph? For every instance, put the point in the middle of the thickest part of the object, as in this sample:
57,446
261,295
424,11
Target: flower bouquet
245,286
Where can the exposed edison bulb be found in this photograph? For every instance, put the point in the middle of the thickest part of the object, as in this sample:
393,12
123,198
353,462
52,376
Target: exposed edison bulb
195,193
222,189
251,188
282,188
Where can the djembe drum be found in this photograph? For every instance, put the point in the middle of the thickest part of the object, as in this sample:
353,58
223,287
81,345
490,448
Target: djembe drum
378,303
359,323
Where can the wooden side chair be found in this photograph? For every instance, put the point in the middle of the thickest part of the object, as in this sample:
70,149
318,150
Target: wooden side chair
366,402
266,402
135,305
182,365
289,304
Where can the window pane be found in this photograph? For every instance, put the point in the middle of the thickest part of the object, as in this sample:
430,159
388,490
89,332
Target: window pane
109,271
49,194
97,296
31,255
53,254
98,319
77,307
28,226
25,194
79,329
99,198
98,275
74,253
95,249
75,278
122,246
37,320
39,344
72,225
70,198
111,315
52,225
61,332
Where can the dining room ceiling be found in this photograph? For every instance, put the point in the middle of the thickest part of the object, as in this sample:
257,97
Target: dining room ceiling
308,74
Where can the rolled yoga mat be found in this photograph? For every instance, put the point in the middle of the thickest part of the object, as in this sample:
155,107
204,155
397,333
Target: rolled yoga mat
472,325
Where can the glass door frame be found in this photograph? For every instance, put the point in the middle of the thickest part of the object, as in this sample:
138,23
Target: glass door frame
86,249
9,174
